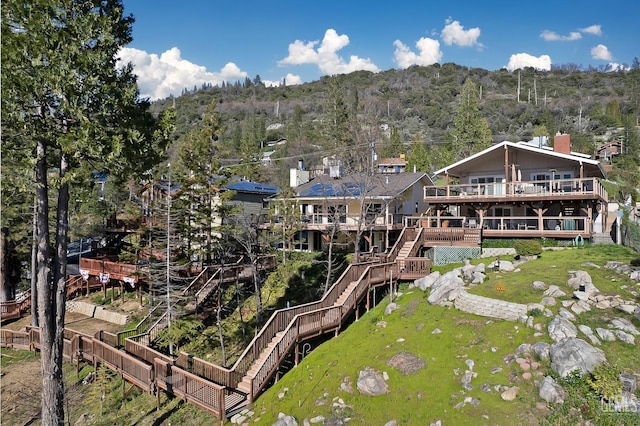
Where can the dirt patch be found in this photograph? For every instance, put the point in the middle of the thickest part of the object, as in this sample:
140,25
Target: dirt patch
410,309
22,381
406,363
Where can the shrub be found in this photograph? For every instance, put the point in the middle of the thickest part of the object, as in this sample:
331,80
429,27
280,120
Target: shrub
635,262
605,381
528,247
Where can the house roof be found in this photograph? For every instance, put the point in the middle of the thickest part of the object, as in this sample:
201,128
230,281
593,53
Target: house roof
248,186
353,186
592,167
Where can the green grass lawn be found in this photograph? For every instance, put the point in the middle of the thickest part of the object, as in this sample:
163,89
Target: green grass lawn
432,392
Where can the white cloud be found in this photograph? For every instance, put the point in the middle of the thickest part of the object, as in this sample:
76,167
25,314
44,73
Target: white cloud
593,29
601,52
289,79
168,74
454,33
429,53
552,36
326,56
524,60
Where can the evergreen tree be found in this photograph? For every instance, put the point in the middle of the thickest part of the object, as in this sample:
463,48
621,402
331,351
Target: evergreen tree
67,106
471,131
418,156
394,148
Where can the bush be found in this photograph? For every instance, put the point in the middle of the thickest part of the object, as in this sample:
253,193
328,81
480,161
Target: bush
635,262
605,381
528,247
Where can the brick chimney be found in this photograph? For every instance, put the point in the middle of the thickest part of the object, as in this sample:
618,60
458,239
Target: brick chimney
562,144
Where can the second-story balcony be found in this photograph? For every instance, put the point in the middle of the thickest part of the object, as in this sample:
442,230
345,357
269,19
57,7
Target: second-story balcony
558,189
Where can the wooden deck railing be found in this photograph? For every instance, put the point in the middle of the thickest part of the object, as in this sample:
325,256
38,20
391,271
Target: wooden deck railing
207,385
549,189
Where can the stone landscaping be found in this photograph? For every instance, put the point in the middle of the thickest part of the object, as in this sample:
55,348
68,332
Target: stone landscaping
574,348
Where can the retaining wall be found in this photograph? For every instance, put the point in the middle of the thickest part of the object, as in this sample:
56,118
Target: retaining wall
487,307
98,312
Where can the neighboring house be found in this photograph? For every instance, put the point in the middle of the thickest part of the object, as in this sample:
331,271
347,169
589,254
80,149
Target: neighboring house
391,165
374,205
519,190
250,201
609,150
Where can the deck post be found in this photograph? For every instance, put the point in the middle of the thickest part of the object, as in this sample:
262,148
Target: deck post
297,354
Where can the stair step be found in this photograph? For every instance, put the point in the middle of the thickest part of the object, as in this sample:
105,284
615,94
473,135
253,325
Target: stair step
244,387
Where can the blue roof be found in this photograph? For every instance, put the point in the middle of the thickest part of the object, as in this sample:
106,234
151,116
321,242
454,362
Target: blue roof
255,187
338,189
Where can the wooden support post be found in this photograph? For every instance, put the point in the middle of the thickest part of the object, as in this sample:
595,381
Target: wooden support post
123,386
297,354
122,291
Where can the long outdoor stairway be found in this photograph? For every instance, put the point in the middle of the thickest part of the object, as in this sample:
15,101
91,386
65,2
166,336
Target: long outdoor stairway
218,389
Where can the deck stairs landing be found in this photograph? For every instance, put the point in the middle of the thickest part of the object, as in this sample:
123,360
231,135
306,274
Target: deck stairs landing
407,250
245,384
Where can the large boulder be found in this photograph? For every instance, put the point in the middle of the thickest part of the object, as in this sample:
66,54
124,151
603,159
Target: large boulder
575,354
561,328
581,280
446,288
426,282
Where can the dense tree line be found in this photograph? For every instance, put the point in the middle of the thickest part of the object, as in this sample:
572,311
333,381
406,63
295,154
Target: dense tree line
344,113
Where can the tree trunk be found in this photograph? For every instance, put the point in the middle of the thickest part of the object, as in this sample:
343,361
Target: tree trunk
34,266
50,349
219,323
5,282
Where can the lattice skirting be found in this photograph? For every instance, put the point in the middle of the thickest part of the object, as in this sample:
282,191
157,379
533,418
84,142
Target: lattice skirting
443,255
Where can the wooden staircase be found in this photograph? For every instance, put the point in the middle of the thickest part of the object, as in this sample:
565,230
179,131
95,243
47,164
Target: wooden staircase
407,250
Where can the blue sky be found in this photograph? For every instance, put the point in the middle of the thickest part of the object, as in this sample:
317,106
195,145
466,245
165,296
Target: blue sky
178,44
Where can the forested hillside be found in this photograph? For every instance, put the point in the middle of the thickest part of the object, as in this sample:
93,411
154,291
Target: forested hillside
344,115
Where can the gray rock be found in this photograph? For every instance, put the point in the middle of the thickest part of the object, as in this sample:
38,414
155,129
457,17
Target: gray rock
551,391
541,350
426,282
629,383
590,264
390,308
370,382
284,420
589,333
627,308
624,337
560,328
480,268
466,379
317,419
605,334
393,422
522,349
624,325
580,306
554,291
470,364
548,301
574,354
478,278
564,313
539,285
446,288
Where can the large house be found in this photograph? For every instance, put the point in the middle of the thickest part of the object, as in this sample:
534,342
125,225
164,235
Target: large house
373,206
518,190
